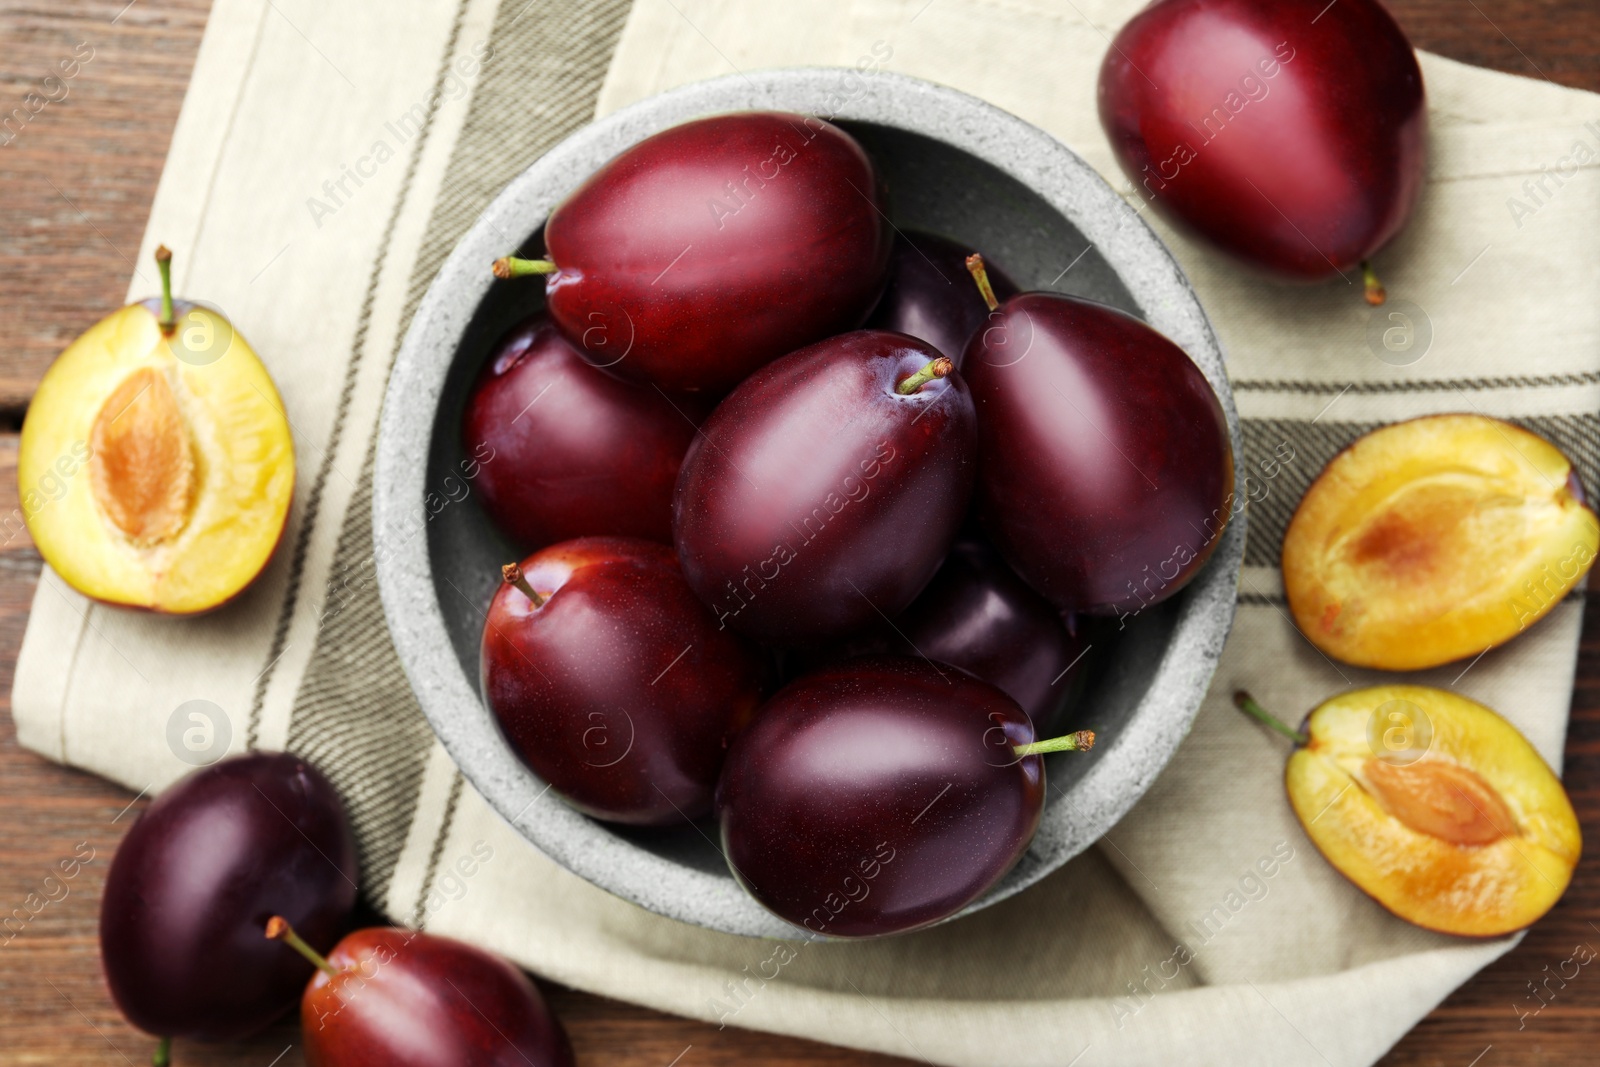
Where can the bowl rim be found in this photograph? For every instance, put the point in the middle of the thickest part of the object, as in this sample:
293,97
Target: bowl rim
1123,769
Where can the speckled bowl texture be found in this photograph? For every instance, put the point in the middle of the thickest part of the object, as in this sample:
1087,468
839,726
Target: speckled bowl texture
954,165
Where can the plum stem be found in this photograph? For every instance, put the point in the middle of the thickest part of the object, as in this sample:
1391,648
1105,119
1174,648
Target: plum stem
162,1056
514,267
980,275
1376,293
1247,704
937,368
1082,741
513,576
278,929
167,321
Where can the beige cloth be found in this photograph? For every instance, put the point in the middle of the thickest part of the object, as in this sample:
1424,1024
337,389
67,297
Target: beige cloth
1296,968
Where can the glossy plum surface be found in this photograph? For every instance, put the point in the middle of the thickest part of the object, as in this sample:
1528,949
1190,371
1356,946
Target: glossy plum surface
978,615
716,246
564,450
819,498
930,294
879,796
1107,471
620,690
195,881
408,999
1289,136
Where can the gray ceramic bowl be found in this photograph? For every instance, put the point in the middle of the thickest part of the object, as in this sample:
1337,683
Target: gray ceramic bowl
954,164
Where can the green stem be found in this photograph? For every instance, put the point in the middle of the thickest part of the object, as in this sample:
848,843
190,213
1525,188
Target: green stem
278,929
937,368
1247,704
1082,741
980,275
168,322
162,1056
513,576
512,267
1375,292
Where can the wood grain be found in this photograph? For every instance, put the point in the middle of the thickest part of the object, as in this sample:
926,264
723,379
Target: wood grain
78,179
79,175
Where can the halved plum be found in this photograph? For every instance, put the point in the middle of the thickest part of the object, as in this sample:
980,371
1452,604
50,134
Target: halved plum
1434,539
1468,832
156,465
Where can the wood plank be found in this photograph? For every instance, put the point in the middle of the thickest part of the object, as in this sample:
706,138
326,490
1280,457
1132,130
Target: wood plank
79,178
79,175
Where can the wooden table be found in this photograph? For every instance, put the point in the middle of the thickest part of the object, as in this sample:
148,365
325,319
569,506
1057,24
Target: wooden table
77,183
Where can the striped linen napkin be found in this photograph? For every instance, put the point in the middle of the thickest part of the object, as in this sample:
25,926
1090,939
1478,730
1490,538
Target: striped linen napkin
326,160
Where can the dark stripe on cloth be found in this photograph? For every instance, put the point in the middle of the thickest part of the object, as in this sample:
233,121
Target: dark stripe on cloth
355,715
1273,487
